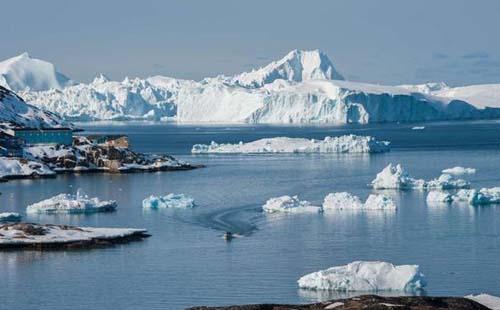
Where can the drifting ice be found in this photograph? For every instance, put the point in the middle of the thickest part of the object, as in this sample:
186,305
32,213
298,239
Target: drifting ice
365,276
459,171
396,177
10,217
67,203
347,201
342,144
168,201
290,205
474,197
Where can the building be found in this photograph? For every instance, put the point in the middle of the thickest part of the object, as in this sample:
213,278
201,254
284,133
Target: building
11,146
110,140
33,136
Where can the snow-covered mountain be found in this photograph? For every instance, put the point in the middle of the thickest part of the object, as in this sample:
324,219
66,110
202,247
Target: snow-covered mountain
303,87
23,72
14,111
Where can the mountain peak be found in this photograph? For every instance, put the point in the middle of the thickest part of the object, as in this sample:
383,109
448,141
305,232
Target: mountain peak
297,65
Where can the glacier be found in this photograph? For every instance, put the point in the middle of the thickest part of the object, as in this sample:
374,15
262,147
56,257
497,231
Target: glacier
365,276
302,87
341,144
67,203
168,201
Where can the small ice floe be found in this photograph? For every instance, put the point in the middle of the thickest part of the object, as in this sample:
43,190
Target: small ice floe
484,196
342,144
49,236
347,201
490,301
459,171
418,127
365,276
396,177
290,204
67,203
434,197
180,201
10,217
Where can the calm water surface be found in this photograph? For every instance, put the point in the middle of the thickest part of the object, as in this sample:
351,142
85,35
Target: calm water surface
187,263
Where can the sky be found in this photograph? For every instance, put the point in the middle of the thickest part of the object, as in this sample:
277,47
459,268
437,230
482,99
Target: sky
377,41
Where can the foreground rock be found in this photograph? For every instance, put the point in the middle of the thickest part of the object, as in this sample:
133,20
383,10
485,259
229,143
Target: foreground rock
50,236
371,302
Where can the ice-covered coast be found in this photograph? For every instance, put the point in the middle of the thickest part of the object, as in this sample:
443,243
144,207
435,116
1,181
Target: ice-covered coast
341,144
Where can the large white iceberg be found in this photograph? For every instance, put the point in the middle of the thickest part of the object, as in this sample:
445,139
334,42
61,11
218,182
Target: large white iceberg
168,201
396,177
459,170
347,201
10,217
365,276
341,144
289,204
68,203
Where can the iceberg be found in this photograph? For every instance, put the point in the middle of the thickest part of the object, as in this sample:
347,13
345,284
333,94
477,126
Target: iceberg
484,196
365,276
439,197
67,203
288,204
396,177
341,144
10,217
347,201
169,201
490,301
11,168
459,171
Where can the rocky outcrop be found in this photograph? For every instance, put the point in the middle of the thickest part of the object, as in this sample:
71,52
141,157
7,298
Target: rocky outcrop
370,302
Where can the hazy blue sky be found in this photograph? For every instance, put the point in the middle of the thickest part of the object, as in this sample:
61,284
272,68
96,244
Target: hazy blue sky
391,42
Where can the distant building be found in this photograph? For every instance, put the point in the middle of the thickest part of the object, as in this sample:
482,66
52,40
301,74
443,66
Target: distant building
110,140
43,136
11,146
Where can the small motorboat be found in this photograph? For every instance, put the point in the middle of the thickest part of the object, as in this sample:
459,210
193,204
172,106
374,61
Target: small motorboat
228,236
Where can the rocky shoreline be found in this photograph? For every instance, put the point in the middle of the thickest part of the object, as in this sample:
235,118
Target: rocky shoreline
370,302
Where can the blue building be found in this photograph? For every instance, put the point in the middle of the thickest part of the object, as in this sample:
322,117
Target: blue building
44,136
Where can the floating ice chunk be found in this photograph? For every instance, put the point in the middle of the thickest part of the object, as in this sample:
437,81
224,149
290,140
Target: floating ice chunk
396,177
418,128
365,276
459,171
347,201
10,217
290,204
439,197
492,302
379,202
484,196
342,144
67,203
180,201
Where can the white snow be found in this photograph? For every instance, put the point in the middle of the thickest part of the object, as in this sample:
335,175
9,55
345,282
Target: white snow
302,87
169,201
365,276
10,217
289,204
67,203
481,96
459,170
12,167
24,72
490,301
396,177
57,234
342,144
347,201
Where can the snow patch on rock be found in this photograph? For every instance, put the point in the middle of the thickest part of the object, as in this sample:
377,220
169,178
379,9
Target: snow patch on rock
490,301
11,167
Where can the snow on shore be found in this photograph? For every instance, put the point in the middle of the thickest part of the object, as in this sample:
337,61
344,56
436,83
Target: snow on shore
396,177
288,204
490,301
347,201
11,167
341,144
168,201
365,276
459,171
10,217
67,203
484,196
